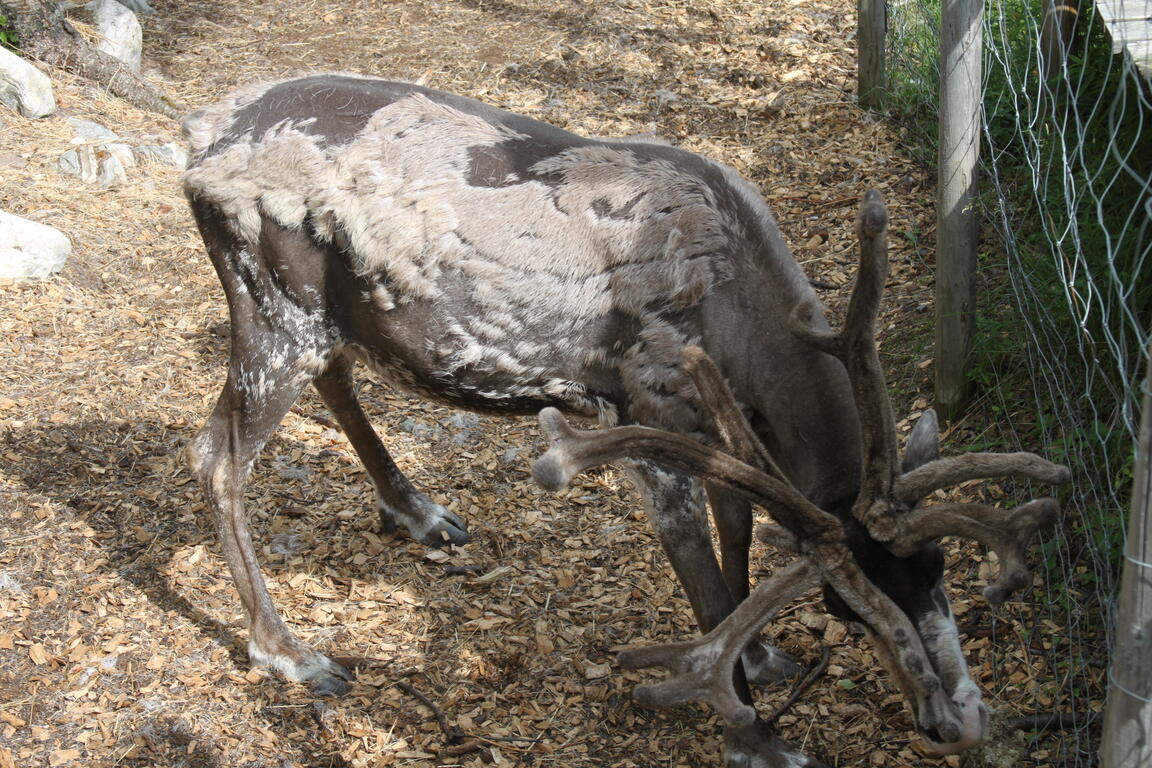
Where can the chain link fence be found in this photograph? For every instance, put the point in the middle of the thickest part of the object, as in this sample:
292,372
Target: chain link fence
1067,188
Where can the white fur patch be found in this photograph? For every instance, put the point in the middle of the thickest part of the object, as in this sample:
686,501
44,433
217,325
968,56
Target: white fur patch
314,665
941,640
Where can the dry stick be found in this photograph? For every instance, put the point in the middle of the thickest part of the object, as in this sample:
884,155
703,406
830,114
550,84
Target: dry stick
463,570
460,749
320,419
451,733
1052,721
804,685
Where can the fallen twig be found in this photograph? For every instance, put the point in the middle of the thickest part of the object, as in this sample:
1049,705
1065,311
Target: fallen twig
450,734
802,686
463,570
456,741
463,748
1051,721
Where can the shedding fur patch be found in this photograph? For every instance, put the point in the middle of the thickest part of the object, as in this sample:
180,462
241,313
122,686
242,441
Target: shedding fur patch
520,269
211,124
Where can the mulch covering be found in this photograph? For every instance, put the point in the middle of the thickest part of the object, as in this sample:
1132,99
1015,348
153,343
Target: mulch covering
122,642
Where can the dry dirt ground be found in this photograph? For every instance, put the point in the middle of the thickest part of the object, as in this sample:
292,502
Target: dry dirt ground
121,638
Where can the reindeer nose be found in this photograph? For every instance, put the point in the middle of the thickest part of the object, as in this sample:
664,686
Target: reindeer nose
943,733
946,738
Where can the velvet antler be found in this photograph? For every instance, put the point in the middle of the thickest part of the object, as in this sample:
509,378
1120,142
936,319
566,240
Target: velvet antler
702,668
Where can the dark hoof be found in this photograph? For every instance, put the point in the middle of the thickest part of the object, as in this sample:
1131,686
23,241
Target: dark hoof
764,665
425,520
756,746
450,531
331,679
330,686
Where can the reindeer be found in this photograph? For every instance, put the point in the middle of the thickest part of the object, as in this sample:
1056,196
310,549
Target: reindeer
500,264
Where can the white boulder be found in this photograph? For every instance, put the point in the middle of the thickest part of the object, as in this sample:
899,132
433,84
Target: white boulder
120,33
23,87
30,250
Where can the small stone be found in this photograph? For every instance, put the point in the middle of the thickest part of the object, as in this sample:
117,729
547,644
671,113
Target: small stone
87,130
166,154
81,162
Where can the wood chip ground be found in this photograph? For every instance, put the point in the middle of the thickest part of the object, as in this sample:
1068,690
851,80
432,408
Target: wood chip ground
121,638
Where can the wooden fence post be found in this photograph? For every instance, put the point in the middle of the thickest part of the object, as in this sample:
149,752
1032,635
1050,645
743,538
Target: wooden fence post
957,233
1127,741
871,29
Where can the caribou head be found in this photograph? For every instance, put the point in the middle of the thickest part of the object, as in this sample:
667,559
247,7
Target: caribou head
877,559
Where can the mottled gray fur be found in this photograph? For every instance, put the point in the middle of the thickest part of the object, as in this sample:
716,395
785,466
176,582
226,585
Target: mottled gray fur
608,231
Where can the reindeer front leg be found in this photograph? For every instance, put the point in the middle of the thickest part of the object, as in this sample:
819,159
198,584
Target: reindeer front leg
763,664
675,505
398,501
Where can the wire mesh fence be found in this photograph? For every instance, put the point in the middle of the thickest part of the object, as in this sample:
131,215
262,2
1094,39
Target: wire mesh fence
1067,186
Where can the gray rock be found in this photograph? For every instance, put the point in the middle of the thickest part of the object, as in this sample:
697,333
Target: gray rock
463,425
419,429
137,6
23,87
105,164
286,544
100,156
81,162
91,131
120,33
29,250
10,582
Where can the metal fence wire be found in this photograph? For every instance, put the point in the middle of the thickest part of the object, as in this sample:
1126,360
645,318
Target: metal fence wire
1067,187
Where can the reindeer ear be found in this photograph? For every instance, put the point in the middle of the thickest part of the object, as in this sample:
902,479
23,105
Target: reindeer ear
923,444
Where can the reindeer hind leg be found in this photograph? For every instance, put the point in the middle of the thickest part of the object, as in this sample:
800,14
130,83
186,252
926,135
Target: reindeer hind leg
274,352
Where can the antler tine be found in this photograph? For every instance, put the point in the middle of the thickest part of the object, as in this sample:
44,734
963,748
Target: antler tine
1006,532
573,451
855,346
894,630
702,668
944,473
738,436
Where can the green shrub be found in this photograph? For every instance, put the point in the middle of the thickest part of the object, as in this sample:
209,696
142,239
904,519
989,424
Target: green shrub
7,33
